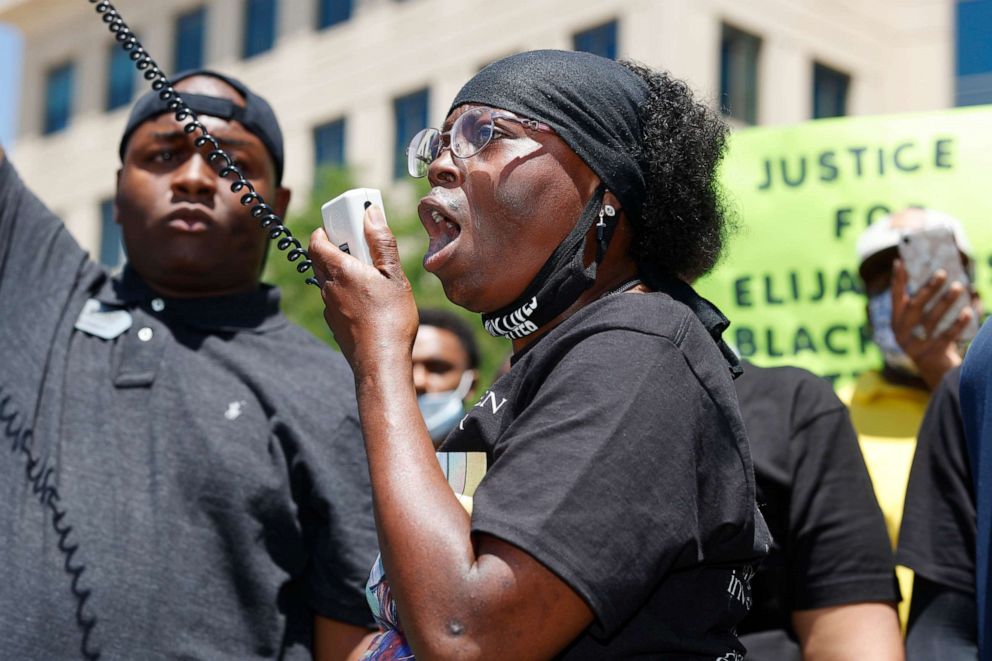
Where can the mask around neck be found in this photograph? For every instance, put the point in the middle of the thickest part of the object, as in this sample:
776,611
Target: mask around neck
559,283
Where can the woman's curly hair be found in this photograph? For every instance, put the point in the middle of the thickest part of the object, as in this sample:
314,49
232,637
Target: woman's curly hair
683,222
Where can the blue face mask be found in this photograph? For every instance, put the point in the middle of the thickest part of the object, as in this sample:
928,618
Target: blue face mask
443,410
880,315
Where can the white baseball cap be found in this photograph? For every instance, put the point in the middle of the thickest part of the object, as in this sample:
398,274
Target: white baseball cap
886,232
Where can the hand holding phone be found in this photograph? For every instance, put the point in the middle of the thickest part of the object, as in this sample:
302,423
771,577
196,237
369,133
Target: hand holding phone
924,254
344,220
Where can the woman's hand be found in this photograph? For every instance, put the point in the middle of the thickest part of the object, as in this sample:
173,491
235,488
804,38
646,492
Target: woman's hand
369,309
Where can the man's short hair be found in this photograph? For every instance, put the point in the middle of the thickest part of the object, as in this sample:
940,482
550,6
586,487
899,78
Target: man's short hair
452,323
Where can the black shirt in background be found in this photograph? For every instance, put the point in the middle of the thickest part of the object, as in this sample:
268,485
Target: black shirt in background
829,541
937,537
617,459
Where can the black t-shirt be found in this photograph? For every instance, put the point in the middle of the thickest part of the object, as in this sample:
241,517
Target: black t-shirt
617,458
829,541
191,486
937,536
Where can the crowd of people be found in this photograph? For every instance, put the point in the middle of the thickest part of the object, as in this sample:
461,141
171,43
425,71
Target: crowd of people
190,475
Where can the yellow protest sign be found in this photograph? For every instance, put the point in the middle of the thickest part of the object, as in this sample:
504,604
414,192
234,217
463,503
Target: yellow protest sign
802,194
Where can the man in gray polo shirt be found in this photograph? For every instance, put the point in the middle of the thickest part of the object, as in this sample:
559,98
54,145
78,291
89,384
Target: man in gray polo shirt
181,468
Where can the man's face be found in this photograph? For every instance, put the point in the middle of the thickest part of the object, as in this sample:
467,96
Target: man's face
185,232
501,213
439,360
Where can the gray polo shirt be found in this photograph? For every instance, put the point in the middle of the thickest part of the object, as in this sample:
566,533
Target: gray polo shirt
178,478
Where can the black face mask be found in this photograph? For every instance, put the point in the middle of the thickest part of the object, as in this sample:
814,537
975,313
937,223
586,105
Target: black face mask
560,281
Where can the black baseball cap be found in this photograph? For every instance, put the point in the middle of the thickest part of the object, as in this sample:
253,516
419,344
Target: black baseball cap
256,115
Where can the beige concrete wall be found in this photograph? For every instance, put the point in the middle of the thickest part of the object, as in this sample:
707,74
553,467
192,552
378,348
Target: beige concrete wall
899,54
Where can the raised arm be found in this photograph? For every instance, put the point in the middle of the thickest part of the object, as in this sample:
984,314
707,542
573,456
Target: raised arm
37,254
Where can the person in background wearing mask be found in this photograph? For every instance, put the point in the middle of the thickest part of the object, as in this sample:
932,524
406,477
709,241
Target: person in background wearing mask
445,370
445,374
887,405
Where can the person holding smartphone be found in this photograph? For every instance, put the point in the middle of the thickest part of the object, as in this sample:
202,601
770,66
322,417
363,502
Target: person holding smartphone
183,473
919,334
573,197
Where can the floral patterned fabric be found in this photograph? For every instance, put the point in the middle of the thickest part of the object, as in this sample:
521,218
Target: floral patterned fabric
390,643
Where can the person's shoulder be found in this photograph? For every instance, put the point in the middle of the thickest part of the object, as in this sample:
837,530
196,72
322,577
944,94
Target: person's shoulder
653,314
950,385
305,347
789,378
622,332
302,364
808,394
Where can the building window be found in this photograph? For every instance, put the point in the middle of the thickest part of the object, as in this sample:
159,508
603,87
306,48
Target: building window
332,12
120,77
829,92
111,249
260,26
328,144
411,116
974,53
739,74
191,29
58,97
600,40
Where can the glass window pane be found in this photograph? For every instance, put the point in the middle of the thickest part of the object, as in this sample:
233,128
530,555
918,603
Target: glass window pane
260,26
332,12
829,92
111,249
600,40
328,143
120,77
58,97
739,74
411,116
190,35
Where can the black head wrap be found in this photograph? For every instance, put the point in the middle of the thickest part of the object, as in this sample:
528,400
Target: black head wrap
256,115
591,102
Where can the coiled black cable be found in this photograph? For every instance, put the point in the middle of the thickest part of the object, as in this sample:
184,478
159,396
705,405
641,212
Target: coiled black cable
266,215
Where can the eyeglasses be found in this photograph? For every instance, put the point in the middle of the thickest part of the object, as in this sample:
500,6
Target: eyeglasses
469,135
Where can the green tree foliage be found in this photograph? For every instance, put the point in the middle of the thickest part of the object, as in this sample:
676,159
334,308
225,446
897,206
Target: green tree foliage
302,303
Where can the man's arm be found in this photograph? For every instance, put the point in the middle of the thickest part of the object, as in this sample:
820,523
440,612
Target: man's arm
840,557
337,641
850,632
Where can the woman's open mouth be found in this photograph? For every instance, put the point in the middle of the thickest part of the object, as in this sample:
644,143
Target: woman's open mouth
442,232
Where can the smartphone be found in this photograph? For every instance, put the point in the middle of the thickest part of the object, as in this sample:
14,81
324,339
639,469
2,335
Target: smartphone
926,252
344,220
